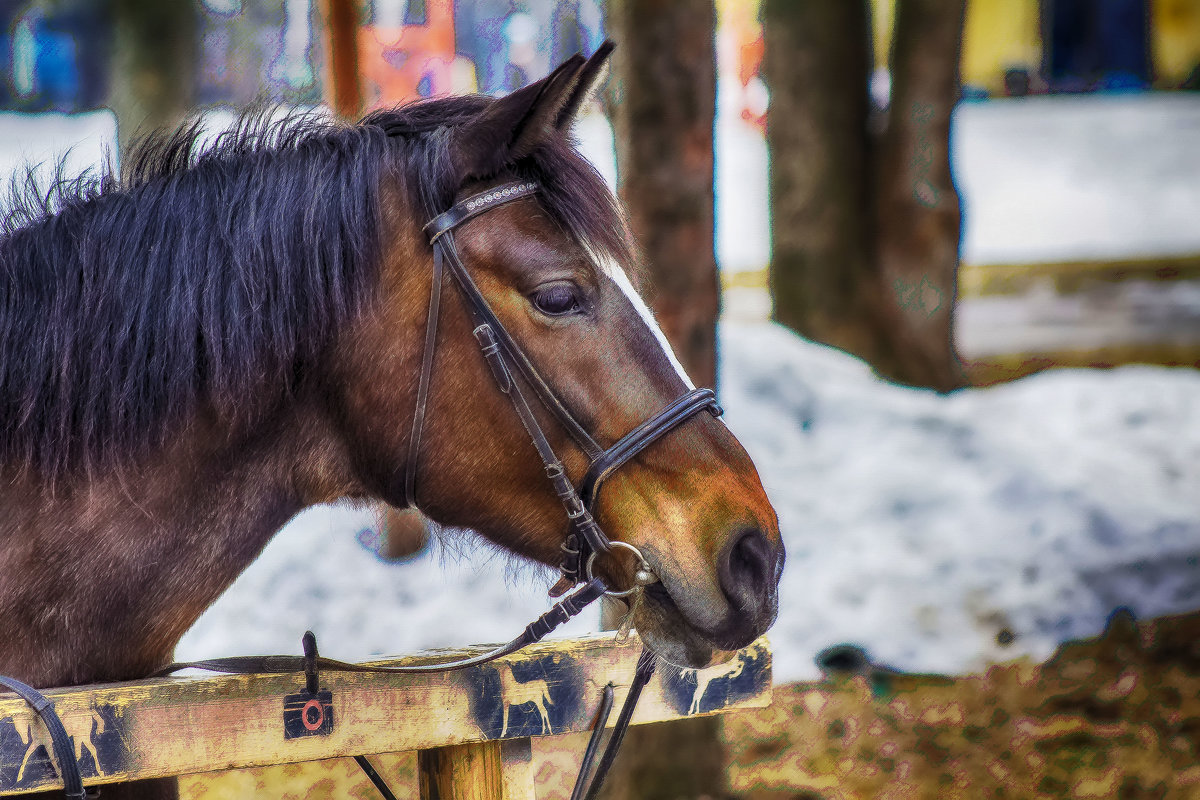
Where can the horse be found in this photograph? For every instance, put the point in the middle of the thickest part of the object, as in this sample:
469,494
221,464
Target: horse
197,349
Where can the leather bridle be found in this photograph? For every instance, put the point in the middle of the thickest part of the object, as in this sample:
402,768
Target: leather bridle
584,538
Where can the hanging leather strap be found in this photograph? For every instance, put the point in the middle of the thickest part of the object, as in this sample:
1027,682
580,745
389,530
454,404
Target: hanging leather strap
64,748
535,631
585,789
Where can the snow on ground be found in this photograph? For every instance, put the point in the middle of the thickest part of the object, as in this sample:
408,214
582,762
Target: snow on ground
82,141
918,526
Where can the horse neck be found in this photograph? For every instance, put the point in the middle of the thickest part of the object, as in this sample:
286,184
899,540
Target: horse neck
103,575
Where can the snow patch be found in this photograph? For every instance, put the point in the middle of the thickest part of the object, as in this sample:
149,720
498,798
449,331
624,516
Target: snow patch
918,526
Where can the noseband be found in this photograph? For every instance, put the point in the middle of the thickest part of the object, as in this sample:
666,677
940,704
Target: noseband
584,539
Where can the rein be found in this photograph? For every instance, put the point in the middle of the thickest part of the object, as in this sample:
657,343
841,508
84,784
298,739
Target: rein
584,538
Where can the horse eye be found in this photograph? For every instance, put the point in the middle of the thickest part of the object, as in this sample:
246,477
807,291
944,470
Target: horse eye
556,300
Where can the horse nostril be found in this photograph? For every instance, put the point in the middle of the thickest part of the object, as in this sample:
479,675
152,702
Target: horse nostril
747,573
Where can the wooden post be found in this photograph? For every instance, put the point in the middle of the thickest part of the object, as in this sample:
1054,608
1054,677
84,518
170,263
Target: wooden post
343,91
516,758
495,770
461,772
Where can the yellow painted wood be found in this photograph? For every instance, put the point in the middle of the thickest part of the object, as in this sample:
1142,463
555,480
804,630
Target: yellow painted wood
1065,277
496,770
1175,40
177,726
986,370
999,35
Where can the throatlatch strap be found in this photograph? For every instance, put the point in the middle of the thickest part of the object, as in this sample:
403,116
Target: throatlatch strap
495,346
64,748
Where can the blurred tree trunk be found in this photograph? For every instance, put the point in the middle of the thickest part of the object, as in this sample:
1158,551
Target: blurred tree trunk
343,87
663,104
865,217
154,58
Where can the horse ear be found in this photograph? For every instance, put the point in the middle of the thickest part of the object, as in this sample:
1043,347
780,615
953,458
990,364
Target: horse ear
514,125
591,74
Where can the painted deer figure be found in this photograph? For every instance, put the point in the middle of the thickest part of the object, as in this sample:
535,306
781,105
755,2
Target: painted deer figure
517,693
704,679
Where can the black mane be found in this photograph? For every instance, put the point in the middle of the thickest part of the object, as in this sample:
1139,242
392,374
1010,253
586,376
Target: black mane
218,275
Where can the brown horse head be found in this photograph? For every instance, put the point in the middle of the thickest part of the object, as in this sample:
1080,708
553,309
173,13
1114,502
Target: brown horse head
192,353
556,267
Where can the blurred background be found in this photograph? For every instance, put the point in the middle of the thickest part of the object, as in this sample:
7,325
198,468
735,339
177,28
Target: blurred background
1071,147
941,258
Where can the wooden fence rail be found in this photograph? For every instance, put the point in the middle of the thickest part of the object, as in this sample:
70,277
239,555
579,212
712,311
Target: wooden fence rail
471,727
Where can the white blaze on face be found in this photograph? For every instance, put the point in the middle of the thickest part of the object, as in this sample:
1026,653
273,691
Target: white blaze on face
614,271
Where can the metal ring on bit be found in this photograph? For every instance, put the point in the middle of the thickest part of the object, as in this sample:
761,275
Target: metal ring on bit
643,577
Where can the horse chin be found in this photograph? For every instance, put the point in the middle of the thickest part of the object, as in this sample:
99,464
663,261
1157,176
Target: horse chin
664,630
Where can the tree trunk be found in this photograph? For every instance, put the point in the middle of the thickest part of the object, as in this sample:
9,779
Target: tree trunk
343,87
663,106
817,62
154,63
916,203
865,223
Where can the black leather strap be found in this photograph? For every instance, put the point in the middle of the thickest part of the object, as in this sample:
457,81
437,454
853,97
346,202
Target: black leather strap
562,611
431,327
475,205
483,314
593,745
647,433
380,784
584,536
645,670
64,748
